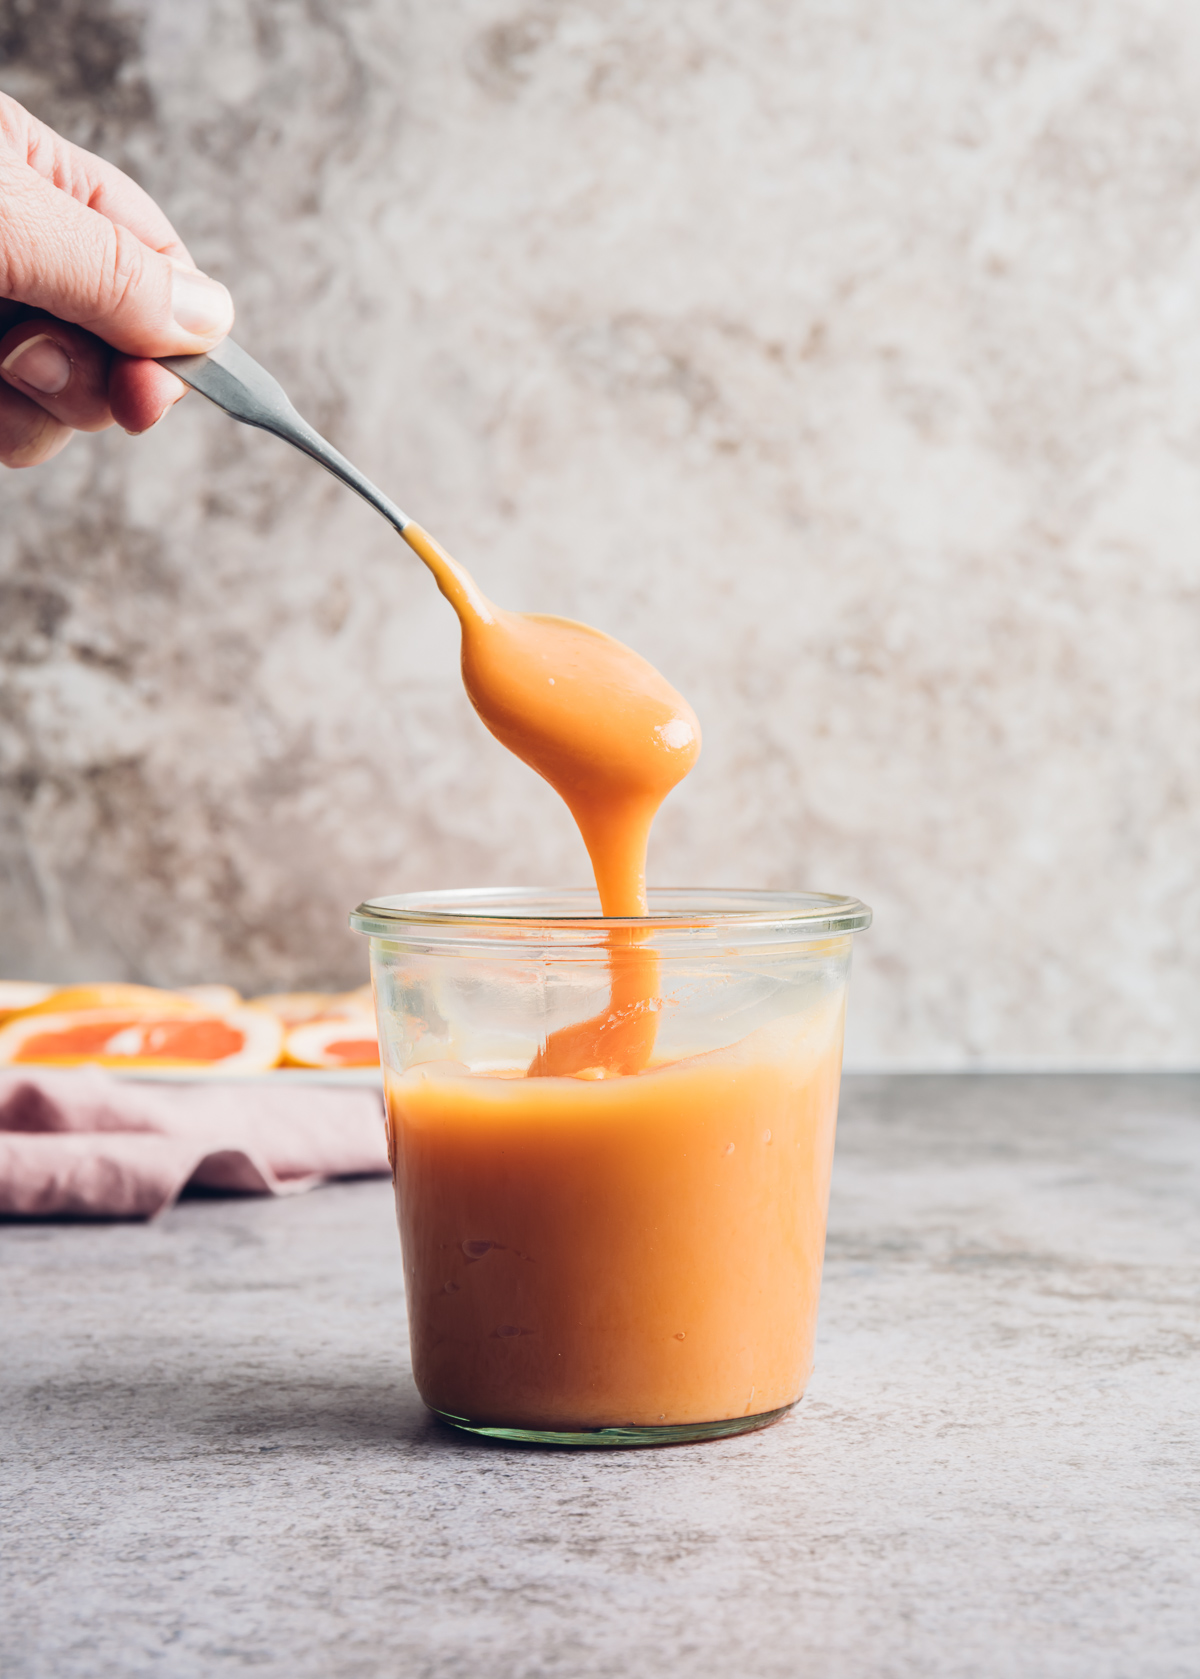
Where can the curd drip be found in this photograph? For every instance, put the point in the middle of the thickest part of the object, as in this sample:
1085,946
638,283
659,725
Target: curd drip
602,1239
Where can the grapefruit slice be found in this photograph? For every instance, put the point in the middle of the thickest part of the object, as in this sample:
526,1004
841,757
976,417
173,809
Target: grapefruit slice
359,1001
294,1007
297,1008
242,1041
109,994
19,994
351,1041
219,998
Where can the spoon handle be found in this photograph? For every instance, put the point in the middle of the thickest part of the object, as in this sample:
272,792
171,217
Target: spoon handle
236,383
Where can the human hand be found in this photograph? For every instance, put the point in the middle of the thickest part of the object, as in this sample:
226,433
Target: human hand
94,281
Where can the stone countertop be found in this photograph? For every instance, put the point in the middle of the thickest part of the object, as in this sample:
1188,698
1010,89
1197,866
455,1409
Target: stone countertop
215,1460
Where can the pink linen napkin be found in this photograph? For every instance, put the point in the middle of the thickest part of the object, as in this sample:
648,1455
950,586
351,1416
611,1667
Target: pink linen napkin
82,1143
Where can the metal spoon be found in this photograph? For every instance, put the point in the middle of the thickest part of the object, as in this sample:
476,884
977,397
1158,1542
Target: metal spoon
236,383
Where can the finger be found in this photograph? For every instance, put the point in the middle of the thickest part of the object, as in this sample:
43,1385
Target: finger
89,179
80,381
61,368
58,255
28,435
140,392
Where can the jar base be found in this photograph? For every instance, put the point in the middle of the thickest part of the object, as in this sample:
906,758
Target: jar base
660,1434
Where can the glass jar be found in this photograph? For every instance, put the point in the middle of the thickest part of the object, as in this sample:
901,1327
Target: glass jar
612,1143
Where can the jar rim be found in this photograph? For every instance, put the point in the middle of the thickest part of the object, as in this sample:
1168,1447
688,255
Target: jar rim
504,911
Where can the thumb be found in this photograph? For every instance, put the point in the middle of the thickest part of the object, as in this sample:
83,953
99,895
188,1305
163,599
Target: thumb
58,255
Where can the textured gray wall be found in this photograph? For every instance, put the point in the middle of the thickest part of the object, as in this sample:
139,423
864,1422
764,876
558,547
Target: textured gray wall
843,358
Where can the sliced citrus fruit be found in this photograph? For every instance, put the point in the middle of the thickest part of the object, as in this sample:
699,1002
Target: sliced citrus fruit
219,998
359,1001
110,994
294,1007
18,994
242,1041
348,1042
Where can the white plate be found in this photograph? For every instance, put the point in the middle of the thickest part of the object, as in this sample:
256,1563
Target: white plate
369,1077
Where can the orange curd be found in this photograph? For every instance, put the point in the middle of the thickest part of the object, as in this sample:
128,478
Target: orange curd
588,714
603,1235
639,1251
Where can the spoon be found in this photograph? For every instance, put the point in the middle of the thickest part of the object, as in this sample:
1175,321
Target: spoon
234,381
588,714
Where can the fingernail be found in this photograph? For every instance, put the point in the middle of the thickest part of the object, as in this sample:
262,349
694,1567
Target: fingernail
44,365
200,306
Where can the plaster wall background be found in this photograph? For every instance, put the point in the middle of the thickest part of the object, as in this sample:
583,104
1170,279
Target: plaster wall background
844,358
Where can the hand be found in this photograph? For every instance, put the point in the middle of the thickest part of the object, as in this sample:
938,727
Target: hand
93,281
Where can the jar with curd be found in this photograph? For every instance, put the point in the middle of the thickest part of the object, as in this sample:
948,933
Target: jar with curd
612,1141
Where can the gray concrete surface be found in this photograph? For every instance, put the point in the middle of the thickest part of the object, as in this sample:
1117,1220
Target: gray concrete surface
842,358
215,1461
